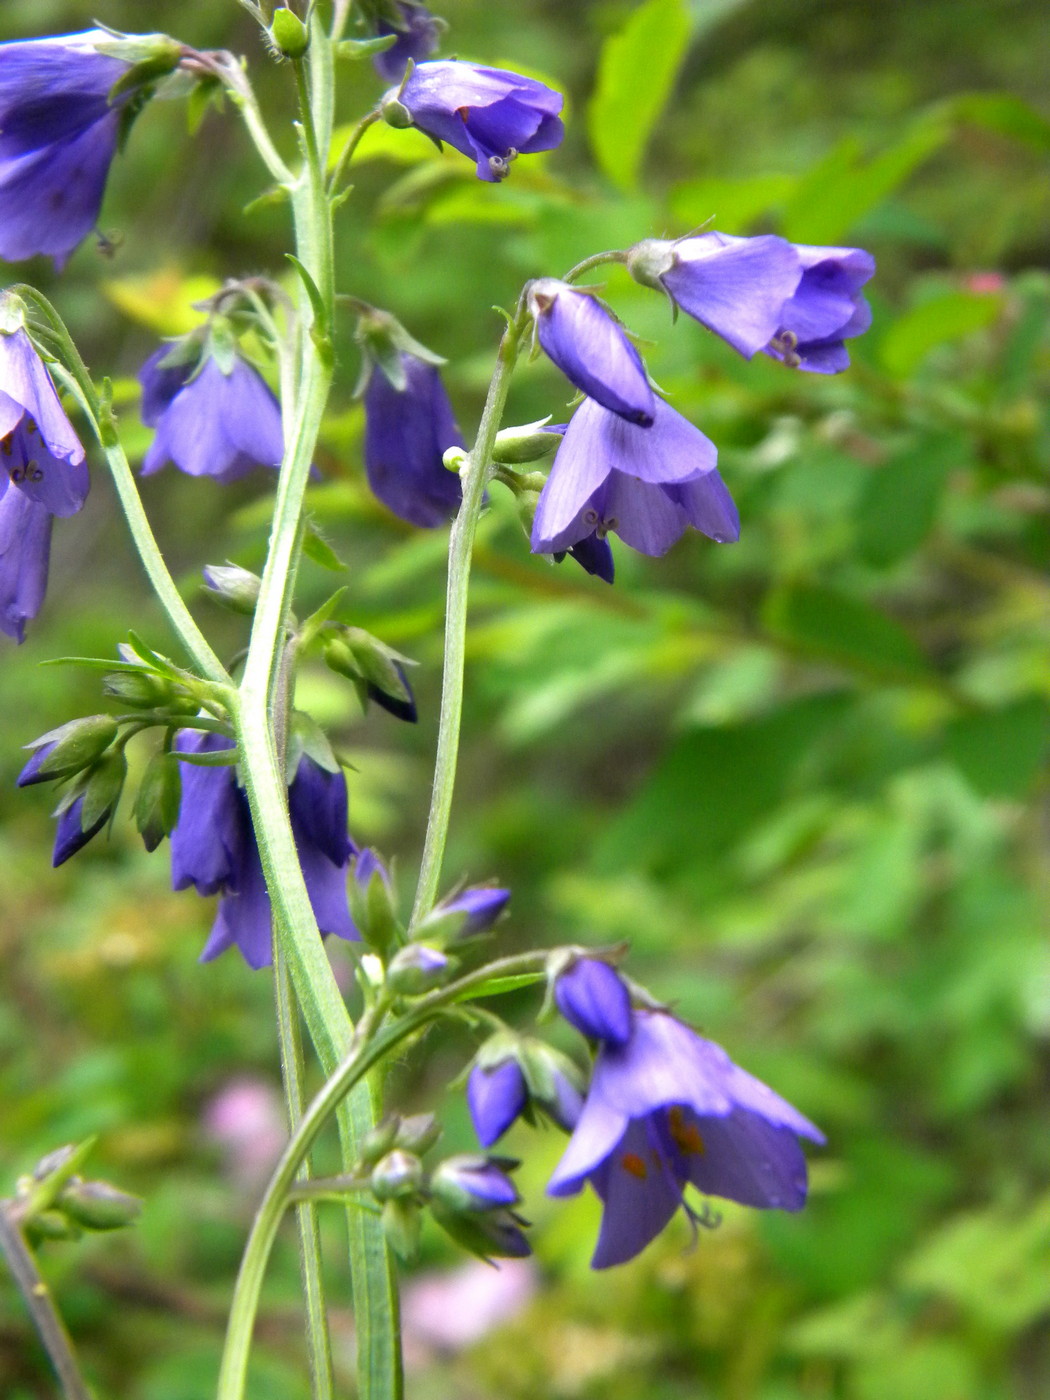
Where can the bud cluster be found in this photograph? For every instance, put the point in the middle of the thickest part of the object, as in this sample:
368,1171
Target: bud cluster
54,1202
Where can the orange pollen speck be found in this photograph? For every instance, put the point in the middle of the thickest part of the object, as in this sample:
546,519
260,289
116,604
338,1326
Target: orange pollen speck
686,1135
631,1162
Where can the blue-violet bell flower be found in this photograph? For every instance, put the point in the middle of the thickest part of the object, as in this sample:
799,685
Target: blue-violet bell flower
60,125
647,485
25,547
407,432
496,1096
209,420
213,848
70,835
488,114
44,475
592,996
827,309
667,1109
418,35
590,349
736,287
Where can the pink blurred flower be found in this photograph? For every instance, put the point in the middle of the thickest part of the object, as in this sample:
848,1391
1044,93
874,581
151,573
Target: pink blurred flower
246,1121
984,283
445,1312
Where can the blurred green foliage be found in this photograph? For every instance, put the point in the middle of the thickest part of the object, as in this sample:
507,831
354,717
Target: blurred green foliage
803,775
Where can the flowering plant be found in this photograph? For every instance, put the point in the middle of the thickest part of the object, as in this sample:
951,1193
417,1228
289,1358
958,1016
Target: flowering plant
245,785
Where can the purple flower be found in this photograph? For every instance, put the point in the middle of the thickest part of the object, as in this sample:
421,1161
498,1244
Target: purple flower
209,422
213,848
471,1198
25,547
41,452
669,1108
592,997
58,135
496,1096
406,434
70,835
488,114
591,350
827,309
594,554
480,906
418,36
647,485
736,287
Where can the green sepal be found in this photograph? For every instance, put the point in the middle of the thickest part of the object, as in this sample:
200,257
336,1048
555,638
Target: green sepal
158,799
307,739
402,1224
105,783
317,548
357,49
77,745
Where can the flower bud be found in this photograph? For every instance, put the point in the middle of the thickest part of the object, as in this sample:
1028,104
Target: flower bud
396,1175
288,33
593,998
418,1132
144,690
105,782
96,1205
378,1141
50,1225
528,443
69,749
158,800
464,915
496,1096
401,1225
472,1181
233,587
358,655
417,969
555,1083
373,905
395,113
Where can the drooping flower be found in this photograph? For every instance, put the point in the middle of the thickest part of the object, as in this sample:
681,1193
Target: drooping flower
827,309
407,432
592,997
71,835
210,420
472,1198
514,1075
213,848
25,548
736,287
45,476
59,128
488,114
590,349
418,35
647,485
667,1109
496,1096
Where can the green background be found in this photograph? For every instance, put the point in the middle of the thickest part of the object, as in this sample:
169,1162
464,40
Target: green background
801,775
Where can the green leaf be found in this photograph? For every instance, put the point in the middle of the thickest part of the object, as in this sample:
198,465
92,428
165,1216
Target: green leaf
1001,752
317,548
949,316
636,72
845,630
843,187
899,501
497,986
1004,114
730,204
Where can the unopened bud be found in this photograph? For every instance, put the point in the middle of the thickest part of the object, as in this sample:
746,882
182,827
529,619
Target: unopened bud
144,690
105,782
527,443
233,587
373,905
418,1132
378,1141
158,800
288,33
395,113
396,1175
454,459
69,749
98,1206
417,969
401,1225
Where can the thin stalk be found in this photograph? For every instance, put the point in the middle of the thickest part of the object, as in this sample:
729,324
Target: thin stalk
310,1262
595,260
460,547
367,1051
38,1300
346,155
329,1026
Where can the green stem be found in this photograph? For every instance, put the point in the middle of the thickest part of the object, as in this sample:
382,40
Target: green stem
329,1025
461,542
310,1260
38,1300
595,260
366,1052
346,155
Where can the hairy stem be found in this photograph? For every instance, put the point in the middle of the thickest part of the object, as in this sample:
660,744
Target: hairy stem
41,1307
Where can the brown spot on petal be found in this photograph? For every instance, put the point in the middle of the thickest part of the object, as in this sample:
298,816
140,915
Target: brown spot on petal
632,1163
686,1135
